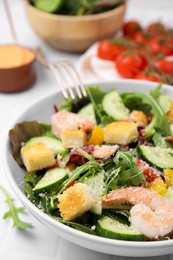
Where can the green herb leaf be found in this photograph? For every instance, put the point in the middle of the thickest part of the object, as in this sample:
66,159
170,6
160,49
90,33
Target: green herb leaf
163,100
96,95
86,169
160,120
126,172
155,93
77,226
13,212
66,104
131,177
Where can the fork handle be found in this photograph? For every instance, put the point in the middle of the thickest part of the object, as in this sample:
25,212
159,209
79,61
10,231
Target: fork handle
41,57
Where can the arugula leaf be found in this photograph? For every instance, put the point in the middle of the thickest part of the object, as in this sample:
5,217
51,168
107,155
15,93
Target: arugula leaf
66,104
73,105
126,172
105,120
155,93
46,130
32,178
160,120
131,177
91,167
111,180
77,226
13,212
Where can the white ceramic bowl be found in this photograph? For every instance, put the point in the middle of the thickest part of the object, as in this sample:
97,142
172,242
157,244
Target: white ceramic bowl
41,111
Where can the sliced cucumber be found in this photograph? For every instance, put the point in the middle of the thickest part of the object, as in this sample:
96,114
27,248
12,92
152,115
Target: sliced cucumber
51,180
96,183
54,144
113,106
88,112
162,158
50,6
114,228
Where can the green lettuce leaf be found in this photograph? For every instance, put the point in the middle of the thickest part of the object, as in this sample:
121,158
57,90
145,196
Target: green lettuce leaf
160,121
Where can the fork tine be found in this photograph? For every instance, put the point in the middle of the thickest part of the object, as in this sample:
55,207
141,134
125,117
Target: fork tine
71,75
54,70
79,87
66,75
80,81
68,78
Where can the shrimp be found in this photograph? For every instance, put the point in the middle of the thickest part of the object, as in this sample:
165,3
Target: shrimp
64,120
104,151
151,214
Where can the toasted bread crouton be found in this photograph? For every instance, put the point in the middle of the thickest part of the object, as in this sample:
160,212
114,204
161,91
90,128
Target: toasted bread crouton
139,117
120,132
170,113
75,201
64,120
37,156
73,138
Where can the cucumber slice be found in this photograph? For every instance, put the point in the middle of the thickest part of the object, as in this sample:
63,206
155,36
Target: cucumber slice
96,183
162,158
88,112
51,180
54,144
113,106
114,228
50,6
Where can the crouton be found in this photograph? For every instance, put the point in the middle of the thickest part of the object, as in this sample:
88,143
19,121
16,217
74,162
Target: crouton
120,132
37,156
139,117
73,138
75,201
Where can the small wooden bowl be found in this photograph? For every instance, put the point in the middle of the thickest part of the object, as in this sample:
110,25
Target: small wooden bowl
16,68
75,33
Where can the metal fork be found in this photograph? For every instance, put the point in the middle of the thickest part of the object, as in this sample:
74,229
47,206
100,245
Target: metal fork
66,75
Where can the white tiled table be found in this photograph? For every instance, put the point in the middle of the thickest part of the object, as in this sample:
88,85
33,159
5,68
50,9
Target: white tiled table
39,243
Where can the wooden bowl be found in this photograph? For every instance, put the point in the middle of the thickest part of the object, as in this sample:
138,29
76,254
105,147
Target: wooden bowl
75,33
16,68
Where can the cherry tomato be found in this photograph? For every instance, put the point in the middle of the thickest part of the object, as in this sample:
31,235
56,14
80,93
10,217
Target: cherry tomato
108,51
70,184
168,51
151,77
156,28
139,38
128,64
160,45
131,27
155,45
149,173
165,66
142,56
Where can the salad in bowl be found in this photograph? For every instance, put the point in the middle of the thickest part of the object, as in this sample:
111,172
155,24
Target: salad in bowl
100,167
